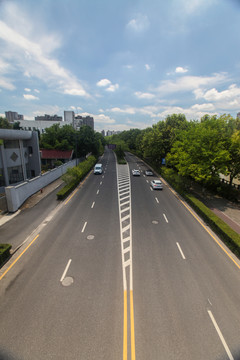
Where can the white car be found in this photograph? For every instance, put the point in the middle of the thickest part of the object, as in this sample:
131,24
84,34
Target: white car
135,172
98,169
156,184
148,172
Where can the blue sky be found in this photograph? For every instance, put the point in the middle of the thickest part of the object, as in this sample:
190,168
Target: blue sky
127,63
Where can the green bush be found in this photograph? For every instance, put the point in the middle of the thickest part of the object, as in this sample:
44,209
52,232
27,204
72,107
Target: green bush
4,252
74,175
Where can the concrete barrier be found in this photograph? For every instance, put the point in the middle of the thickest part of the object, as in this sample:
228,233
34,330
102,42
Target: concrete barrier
16,195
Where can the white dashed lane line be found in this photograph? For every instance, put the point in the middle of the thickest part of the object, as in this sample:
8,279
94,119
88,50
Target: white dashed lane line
65,271
180,250
165,218
84,226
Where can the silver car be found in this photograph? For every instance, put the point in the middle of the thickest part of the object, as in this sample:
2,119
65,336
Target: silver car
135,172
156,184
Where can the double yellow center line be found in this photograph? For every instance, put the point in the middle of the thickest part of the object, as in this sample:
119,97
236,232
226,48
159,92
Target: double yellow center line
125,327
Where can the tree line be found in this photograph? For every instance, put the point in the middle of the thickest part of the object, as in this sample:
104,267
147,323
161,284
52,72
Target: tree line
83,141
199,150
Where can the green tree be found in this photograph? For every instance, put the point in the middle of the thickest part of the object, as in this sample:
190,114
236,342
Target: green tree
4,124
200,151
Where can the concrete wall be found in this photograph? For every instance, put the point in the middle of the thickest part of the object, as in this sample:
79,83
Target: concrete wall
16,195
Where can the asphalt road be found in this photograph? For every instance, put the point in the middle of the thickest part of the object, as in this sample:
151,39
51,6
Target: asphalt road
118,271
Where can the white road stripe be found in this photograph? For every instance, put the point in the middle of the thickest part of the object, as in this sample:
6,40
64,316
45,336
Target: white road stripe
151,188
165,218
93,204
101,183
97,192
157,200
181,252
220,335
84,226
66,269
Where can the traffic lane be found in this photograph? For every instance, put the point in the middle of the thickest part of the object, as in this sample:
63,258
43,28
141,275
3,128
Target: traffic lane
160,302
98,294
166,240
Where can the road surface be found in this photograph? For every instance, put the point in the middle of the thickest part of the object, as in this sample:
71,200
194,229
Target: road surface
118,271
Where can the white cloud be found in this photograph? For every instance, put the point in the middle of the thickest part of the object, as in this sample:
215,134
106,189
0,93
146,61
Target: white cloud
181,70
147,67
37,91
128,66
26,89
30,97
112,88
126,110
190,83
34,60
226,95
225,100
107,84
75,92
139,24
142,95
103,83
6,83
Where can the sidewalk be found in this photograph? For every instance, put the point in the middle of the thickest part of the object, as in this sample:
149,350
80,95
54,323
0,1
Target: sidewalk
32,200
228,211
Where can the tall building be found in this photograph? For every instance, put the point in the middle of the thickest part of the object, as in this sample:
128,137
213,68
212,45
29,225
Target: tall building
83,120
48,118
12,116
238,115
69,117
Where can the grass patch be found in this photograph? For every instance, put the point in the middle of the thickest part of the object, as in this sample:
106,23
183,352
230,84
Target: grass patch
4,253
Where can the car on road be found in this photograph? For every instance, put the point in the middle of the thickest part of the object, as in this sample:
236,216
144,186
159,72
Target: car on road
98,169
148,172
135,172
156,184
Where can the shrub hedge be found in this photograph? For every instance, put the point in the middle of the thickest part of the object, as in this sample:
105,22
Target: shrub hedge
74,175
4,252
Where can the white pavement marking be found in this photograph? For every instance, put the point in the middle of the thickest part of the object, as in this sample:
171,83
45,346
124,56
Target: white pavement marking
157,200
151,188
97,192
101,183
165,218
66,269
220,335
84,226
181,252
124,203
93,204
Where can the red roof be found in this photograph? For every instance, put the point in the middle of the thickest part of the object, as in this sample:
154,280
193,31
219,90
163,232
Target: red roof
56,154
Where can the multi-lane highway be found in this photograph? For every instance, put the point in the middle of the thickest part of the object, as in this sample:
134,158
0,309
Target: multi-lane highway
118,271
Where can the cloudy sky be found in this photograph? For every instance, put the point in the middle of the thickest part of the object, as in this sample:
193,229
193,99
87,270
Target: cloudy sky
128,63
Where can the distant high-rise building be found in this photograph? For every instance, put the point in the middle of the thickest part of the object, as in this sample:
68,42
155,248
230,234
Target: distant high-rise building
103,132
81,120
12,116
69,117
48,118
